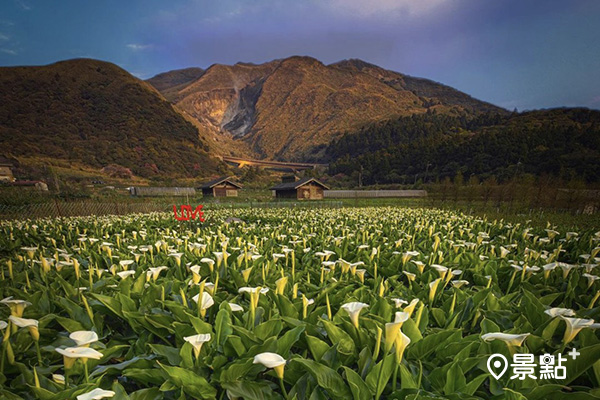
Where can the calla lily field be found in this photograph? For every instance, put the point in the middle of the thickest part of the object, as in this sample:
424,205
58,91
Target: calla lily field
348,303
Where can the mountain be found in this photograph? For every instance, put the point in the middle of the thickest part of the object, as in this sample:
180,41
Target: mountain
429,91
291,109
88,114
169,82
561,143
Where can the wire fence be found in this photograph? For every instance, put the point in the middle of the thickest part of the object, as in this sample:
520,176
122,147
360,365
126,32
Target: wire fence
58,209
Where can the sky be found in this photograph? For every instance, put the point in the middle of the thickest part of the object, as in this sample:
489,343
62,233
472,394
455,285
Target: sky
524,54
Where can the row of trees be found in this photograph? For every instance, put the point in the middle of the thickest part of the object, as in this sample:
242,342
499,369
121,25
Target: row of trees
562,143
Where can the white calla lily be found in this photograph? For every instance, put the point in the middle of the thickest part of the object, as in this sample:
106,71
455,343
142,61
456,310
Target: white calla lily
353,309
271,360
84,338
508,338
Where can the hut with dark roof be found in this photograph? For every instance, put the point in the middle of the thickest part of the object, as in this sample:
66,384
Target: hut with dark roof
303,189
220,187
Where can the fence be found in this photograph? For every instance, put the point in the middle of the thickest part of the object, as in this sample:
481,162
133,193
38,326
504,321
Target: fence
161,191
353,194
80,208
84,208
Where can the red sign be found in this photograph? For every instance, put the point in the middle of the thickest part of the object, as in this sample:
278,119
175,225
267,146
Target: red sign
187,213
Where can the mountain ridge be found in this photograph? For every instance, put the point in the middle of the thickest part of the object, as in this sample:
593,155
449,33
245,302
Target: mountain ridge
91,114
291,108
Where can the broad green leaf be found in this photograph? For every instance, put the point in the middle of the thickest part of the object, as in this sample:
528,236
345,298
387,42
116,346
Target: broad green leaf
192,383
326,378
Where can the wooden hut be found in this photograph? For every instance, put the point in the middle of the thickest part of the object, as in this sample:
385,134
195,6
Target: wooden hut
221,187
303,189
6,174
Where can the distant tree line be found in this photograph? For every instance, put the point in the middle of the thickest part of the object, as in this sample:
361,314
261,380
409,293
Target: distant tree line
560,143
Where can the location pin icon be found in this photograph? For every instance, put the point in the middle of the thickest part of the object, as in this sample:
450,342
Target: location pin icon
497,364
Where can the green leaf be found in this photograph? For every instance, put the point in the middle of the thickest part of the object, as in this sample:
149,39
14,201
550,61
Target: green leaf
317,347
474,384
407,380
248,390
222,325
340,337
380,374
455,379
326,378
589,355
170,353
193,384
147,376
147,394
285,343
358,387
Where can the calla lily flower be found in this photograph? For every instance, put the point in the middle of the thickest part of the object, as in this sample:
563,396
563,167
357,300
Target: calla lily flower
84,338
207,301
125,263
197,341
591,279
401,317
3,325
58,378
353,309
402,341
440,269
459,283
271,360
195,274
408,255
411,307
574,325
30,324
246,274
411,277
392,329
361,274
70,354
154,272
280,285
420,266
210,262
566,268
399,302
235,307
558,312
432,288
16,306
125,274
96,394
508,338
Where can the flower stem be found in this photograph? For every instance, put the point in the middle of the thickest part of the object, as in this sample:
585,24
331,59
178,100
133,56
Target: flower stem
39,354
85,368
285,393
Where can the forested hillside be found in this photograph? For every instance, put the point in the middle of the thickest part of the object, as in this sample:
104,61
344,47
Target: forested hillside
563,143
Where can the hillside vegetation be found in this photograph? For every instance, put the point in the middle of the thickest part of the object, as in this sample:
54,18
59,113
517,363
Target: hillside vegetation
291,109
92,114
563,143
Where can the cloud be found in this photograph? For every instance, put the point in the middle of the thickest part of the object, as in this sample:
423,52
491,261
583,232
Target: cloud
3,37
23,5
8,51
139,47
377,8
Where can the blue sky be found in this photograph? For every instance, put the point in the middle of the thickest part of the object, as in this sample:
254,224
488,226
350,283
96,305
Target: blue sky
514,53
